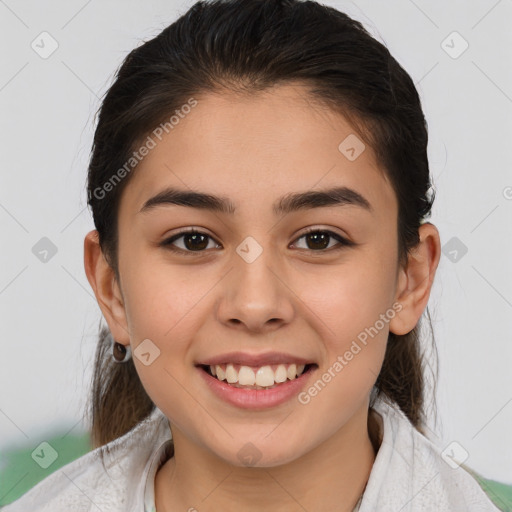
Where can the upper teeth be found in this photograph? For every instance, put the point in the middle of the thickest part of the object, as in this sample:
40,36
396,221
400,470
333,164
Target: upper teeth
262,376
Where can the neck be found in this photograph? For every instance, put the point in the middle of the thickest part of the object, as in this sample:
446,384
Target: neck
330,477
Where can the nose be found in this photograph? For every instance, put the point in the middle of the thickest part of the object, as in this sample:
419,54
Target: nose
255,296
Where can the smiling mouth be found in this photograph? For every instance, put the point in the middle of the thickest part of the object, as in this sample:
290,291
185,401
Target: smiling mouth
262,377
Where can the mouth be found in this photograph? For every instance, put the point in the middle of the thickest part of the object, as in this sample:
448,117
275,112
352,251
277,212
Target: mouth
263,377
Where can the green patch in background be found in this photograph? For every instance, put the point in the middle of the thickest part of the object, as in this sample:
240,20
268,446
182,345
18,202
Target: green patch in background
498,492
24,467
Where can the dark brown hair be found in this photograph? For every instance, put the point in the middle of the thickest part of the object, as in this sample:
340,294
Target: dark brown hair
242,47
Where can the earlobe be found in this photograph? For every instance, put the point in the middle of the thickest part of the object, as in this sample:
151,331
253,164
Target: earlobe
416,280
102,279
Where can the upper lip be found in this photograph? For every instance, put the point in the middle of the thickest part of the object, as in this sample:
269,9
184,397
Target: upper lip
245,359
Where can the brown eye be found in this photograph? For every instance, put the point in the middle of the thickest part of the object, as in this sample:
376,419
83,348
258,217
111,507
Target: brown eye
193,241
318,240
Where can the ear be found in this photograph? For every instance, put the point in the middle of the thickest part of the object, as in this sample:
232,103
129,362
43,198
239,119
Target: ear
103,281
415,281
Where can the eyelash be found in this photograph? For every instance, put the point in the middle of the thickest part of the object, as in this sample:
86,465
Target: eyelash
343,242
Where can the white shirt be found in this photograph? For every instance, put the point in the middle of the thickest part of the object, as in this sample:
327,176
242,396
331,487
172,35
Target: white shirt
409,474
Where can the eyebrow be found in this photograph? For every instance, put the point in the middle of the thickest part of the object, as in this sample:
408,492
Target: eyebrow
337,196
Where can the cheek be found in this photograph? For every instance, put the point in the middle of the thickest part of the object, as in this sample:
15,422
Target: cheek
353,307
160,296
352,316
161,309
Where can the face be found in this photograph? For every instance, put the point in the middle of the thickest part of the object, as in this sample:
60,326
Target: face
252,288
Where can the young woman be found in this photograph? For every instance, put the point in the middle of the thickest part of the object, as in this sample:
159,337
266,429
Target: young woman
259,184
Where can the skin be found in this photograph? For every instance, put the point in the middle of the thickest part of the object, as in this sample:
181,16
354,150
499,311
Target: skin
293,298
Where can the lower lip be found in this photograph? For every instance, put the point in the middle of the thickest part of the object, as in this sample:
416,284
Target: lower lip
256,398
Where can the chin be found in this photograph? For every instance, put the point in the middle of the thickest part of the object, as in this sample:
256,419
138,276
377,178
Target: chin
261,454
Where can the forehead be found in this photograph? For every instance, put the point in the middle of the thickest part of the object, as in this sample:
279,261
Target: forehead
255,148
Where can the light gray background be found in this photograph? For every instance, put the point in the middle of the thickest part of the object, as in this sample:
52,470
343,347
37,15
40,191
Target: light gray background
49,314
